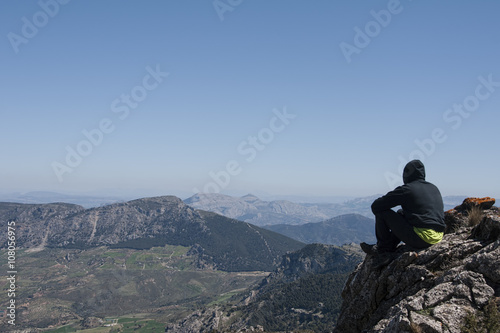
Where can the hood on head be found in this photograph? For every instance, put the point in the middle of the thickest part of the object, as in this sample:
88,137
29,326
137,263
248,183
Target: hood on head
413,170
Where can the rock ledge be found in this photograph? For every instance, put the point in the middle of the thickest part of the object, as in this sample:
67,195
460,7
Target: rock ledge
441,289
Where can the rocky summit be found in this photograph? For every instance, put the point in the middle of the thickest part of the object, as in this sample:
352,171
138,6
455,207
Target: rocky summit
453,286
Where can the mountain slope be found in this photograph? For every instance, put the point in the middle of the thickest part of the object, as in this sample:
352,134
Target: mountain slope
303,293
220,242
251,209
340,230
243,246
58,286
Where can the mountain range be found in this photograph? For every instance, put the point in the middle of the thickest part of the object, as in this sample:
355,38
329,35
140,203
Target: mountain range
225,243
162,255
156,258
250,208
326,223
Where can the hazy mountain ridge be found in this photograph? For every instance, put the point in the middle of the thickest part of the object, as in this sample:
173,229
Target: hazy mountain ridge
250,208
45,197
324,208
343,229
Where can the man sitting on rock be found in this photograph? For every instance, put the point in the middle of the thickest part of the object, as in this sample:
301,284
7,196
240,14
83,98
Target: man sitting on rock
420,222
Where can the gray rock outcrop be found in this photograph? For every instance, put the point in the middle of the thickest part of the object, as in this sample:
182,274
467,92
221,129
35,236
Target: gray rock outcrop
453,286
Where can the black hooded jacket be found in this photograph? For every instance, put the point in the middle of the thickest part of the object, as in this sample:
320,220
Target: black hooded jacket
421,201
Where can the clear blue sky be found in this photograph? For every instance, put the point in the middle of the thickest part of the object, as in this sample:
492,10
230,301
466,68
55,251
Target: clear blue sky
291,97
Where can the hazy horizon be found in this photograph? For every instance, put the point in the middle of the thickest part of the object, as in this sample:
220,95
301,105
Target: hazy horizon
131,196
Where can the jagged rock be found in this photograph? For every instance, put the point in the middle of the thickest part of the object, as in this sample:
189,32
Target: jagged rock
486,262
426,323
457,217
199,321
483,203
451,316
488,230
432,290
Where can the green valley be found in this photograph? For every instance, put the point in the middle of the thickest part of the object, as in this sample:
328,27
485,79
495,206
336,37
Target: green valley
66,288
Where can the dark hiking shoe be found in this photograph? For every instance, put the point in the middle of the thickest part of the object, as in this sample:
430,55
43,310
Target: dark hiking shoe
382,260
370,249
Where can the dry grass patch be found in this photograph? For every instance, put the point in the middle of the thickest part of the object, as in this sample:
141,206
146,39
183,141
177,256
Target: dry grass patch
475,216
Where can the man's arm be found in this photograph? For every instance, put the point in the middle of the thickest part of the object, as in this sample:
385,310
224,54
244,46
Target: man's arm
391,199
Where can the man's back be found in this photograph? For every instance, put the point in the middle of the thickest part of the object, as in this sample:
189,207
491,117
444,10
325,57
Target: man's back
423,205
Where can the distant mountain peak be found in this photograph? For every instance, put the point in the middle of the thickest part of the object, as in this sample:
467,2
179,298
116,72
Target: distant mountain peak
250,198
202,197
250,208
159,199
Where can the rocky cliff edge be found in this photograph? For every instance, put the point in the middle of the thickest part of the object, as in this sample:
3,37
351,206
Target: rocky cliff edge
453,286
